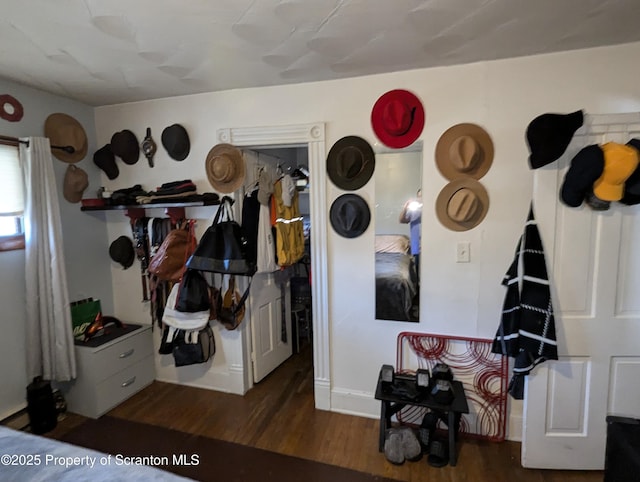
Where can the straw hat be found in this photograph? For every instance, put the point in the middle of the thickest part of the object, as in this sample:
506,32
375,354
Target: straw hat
64,130
462,204
350,163
225,168
397,118
75,182
464,150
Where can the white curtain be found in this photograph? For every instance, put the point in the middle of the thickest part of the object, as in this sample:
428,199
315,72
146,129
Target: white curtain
50,351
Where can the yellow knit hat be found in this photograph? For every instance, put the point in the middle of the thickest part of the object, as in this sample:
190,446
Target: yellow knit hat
619,163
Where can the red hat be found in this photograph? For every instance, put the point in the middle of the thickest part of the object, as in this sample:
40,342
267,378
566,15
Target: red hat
397,118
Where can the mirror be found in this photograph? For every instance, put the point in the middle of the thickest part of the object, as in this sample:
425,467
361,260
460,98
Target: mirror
398,212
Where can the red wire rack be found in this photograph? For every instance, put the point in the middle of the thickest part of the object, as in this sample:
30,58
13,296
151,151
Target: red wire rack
483,374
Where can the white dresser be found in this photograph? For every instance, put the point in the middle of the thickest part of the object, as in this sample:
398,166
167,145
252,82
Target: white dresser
110,373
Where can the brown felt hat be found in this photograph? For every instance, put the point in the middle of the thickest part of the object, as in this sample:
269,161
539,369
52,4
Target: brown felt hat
225,168
75,182
464,150
63,130
462,204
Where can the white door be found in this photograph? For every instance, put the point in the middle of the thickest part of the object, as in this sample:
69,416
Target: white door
270,344
594,263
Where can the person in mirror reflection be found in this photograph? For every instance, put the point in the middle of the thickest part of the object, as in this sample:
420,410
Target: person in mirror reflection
412,214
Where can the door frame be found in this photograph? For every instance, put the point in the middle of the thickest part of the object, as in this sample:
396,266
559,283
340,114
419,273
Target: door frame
313,136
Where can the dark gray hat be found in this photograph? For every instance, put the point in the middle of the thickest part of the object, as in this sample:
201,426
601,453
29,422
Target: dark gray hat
122,251
176,141
350,215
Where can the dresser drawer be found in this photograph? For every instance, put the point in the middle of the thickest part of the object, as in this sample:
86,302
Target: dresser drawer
122,385
102,362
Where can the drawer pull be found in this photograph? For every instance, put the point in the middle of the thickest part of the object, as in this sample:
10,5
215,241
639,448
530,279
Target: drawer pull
128,382
127,353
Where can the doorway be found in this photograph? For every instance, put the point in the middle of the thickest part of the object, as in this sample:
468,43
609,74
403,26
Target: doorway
280,297
313,137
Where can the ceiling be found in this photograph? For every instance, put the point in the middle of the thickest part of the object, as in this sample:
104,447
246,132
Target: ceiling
105,52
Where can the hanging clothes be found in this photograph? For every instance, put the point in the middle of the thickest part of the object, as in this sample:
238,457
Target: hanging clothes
266,262
250,217
527,327
289,222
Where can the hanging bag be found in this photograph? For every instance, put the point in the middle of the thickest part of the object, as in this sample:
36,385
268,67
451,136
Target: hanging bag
231,306
191,347
222,248
168,264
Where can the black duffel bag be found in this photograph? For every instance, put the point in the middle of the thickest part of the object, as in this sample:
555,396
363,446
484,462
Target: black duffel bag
222,248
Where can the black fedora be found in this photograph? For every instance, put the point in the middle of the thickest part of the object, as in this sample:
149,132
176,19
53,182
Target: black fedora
350,163
121,251
350,215
105,160
176,142
124,144
586,167
549,135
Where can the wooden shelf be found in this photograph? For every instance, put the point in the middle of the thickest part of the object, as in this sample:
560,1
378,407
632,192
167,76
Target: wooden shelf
148,206
135,211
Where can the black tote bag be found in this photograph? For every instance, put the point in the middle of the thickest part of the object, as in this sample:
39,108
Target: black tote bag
223,247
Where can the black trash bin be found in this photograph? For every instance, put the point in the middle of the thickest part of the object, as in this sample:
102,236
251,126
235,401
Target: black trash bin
622,459
41,406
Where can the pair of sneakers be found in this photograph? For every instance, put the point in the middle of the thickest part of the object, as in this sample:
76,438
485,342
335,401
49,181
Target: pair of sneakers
401,444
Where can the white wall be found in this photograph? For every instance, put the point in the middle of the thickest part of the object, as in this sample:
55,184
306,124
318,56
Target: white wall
457,299
85,237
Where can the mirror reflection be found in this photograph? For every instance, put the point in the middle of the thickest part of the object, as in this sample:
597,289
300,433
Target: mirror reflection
398,222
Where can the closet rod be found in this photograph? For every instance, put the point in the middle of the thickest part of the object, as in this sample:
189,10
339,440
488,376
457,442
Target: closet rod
14,141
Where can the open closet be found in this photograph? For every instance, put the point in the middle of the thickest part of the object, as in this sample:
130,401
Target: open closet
280,299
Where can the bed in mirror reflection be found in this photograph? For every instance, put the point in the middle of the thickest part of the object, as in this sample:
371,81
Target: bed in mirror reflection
398,228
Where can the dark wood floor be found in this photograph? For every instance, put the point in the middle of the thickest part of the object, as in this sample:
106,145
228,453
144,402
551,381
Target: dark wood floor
279,415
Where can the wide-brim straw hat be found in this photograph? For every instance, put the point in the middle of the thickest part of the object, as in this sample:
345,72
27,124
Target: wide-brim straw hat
397,118
63,130
350,163
462,204
225,168
464,150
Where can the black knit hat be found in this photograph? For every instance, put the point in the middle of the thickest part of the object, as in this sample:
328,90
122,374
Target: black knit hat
548,136
586,167
124,144
632,185
121,251
350,215
105,160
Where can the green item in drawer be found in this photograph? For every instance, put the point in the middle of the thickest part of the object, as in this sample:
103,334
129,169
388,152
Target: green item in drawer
83,313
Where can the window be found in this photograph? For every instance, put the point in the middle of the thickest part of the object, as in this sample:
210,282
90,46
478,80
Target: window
11,199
